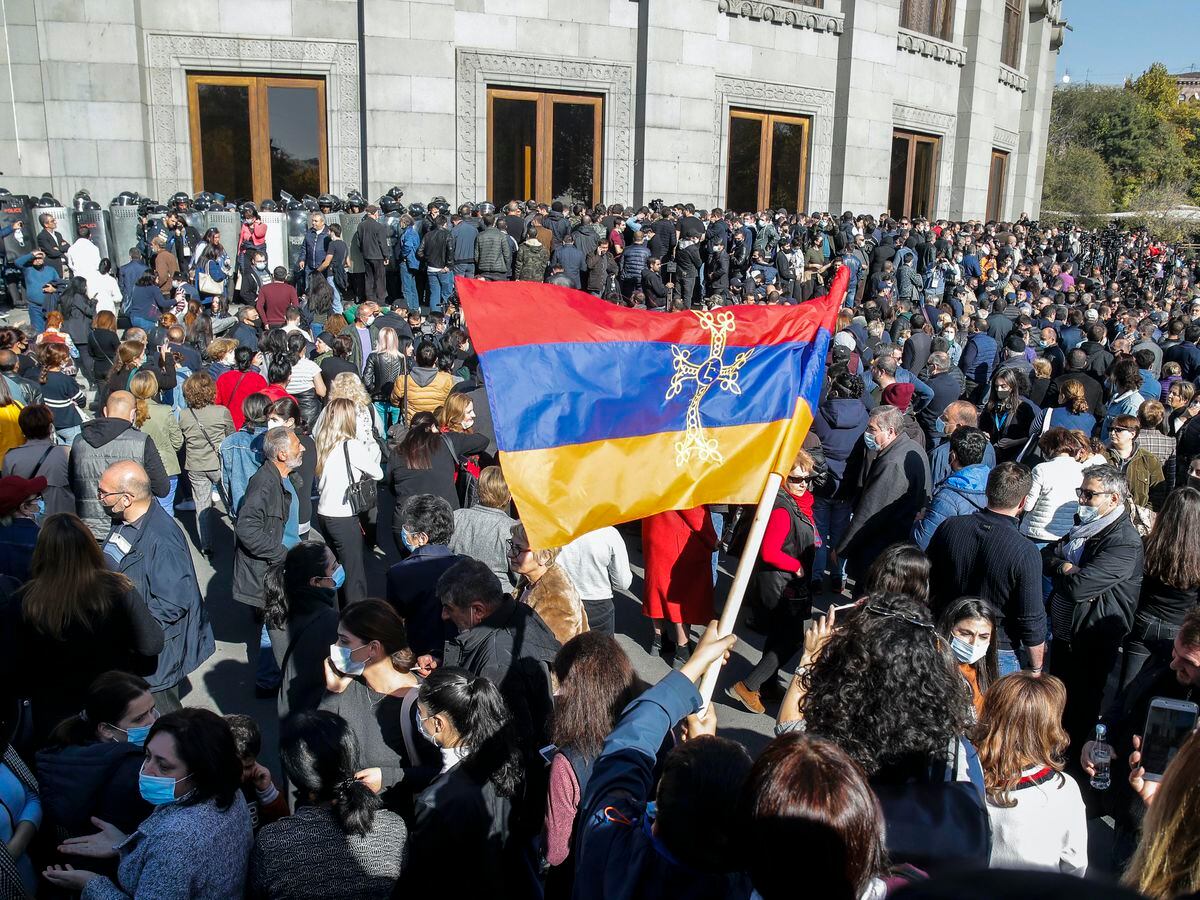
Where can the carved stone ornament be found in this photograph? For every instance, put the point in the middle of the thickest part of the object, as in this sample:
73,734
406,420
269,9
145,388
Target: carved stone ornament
169,56
1004,139
929,46
784,14
1013,79
476,69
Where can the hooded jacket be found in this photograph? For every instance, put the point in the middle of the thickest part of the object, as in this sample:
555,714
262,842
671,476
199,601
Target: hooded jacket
963,493
100,443
96,779
839,424
423,389
532,260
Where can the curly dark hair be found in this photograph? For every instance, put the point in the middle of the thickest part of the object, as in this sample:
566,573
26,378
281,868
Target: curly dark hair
886,688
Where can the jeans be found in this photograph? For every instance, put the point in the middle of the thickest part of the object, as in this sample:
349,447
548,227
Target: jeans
1007,662
337,307
1150,637
718,521
138,322
267,674
408,284
203,484
832,519
67,435
168,502
441,290
37,319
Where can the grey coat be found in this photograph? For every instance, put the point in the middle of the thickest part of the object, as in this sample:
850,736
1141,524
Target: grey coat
183,853
203,431
482,533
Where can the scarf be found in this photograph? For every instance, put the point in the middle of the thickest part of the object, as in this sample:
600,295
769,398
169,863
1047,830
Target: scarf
1070,547
804,503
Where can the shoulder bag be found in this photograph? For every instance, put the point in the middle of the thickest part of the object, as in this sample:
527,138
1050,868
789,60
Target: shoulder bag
466,485
220,484
361,495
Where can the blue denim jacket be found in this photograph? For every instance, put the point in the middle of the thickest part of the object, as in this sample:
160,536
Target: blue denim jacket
241,457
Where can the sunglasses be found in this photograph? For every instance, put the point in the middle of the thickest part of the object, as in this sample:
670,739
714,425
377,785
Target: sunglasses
803,479
1086,495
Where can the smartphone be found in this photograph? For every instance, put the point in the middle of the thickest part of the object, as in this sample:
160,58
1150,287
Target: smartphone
1168,724
547,752
843,606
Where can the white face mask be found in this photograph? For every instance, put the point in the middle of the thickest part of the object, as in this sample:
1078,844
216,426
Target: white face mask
968,653
275,423
340,656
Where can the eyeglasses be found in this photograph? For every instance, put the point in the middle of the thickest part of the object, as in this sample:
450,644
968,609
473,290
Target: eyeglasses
803,479
1086,495
514,551
104,495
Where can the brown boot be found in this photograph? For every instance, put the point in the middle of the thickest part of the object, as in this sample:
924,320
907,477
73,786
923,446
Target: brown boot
748,698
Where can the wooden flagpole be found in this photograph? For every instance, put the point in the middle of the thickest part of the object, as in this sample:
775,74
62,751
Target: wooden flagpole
741,579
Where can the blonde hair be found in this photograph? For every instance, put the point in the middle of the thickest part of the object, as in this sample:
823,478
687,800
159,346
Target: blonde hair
1167,861
804,461
543,557
338,423
219,348
493,488
143,386
1042,368
1021,726
388,341
453,411
348,386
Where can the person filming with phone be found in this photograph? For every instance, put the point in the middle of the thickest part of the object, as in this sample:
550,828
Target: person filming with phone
1163,695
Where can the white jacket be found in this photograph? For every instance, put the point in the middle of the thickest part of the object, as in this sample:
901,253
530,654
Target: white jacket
1047,829
334,477
1051,503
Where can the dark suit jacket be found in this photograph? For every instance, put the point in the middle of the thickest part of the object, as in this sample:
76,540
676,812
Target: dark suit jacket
916,352
372,238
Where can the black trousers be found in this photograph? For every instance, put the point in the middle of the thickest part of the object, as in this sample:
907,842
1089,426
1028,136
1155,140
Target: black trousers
601,615
345,536
1091,671
376,282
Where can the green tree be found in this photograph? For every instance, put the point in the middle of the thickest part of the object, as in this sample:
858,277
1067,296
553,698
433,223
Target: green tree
1077,185
1157,89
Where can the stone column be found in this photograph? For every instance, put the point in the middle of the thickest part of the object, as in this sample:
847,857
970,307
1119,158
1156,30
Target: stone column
977,87
1041,59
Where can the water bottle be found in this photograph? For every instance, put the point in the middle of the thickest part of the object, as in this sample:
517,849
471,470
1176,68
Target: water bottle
1101,758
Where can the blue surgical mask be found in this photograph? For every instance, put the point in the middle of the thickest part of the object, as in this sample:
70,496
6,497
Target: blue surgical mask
41,513
136,735
406,541
158,789
939,425
425,731
1088,514
968,653
339,578
342,659
869,440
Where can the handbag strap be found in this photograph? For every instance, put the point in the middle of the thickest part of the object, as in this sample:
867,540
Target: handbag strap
349,470
200,425
450,446
287,654
41,460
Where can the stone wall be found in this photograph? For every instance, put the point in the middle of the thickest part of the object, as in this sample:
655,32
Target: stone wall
100,89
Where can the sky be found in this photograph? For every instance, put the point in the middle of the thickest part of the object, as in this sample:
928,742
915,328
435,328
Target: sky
1115,38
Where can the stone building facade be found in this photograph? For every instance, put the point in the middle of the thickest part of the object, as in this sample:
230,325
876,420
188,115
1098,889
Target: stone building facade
841,104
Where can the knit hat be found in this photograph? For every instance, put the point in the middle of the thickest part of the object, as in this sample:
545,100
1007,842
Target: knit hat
899,395
15,490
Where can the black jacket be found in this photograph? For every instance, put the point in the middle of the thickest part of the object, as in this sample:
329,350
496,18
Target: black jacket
372,238
687,259
1100,359
436,250
412,592
654,290
259,532
513,648
601,267
1104,588
717,273
1093,391
311,627
95,779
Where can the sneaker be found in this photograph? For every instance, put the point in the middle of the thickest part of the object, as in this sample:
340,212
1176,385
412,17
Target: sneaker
216,497
746,697
185,506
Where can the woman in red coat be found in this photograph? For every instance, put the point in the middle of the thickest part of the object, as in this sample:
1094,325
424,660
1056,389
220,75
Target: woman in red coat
678,547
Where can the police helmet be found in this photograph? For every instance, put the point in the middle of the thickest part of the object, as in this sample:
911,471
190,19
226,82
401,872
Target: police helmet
268,205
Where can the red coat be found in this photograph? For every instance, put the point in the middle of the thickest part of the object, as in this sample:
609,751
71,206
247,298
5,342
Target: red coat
678,547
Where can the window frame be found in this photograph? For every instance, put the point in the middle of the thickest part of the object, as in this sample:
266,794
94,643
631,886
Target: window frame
936,12
543,162
766,148
996,191
1013,25
260,125
914,138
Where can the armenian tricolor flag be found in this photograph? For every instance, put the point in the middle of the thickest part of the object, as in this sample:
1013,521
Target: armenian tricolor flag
605,414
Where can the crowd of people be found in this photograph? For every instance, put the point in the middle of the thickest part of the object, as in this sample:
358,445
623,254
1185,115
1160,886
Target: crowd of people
979,576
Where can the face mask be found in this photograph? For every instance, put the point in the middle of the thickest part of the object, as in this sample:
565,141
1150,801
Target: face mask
949,335
135,735
341,659
370,319
275,423
1088,514
261,267
339,578
407,541
424,731
1002,393
968,653
939,426
870,441
158,789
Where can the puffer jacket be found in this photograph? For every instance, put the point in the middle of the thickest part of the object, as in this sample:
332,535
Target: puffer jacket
493,253
555,599
1051,503
532,261
634,261
96,779
99,444
422,390
839,424
963,493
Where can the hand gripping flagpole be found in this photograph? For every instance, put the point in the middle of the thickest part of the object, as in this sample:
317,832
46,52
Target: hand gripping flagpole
741,579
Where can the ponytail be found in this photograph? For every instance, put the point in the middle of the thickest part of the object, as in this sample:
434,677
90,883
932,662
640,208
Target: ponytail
107,698
354,806
143,412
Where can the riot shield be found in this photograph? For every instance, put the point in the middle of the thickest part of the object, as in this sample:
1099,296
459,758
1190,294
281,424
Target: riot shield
277,244
350,223
98,221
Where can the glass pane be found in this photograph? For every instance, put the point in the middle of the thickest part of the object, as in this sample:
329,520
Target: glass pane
225,139
295,126
922,194
745,136
787,158
514,149
573,152
899,177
